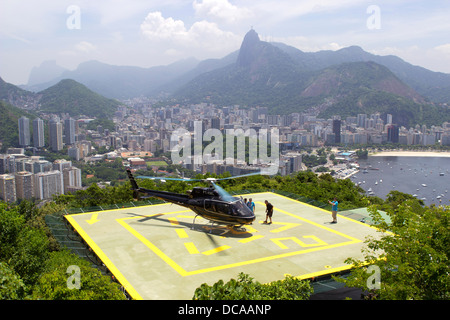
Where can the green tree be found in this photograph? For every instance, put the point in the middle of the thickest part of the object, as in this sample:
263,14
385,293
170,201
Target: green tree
245,288
30,253
362,154
11,224
24,248
413,257
53,283
11,286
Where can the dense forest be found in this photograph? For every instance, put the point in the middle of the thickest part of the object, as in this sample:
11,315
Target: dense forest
34,265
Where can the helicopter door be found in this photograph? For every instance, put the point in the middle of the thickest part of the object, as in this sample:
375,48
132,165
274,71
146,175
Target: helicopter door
210,205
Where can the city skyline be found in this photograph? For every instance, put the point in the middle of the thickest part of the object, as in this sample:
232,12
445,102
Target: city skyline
150,33
141,131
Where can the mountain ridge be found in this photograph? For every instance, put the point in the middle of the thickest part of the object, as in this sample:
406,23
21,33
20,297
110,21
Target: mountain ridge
281,77
120,82
67,96
266,75
435,86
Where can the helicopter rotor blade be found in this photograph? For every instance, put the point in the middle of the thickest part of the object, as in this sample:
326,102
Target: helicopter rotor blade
210,180
240,176
223,194
165,178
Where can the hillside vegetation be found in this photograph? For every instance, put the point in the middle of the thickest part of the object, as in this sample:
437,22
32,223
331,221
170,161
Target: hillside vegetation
71,97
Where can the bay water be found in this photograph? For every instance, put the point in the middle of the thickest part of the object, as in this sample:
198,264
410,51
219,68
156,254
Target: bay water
427,178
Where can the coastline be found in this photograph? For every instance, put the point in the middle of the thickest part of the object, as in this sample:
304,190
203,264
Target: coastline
443,154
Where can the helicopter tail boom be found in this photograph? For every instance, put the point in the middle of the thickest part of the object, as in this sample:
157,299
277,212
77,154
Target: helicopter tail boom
133,182
165,195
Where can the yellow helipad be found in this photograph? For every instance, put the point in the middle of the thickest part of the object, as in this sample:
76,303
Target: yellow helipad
157,253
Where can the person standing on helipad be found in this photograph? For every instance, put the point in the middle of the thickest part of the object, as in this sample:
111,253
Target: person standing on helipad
251,205
269,211
334,209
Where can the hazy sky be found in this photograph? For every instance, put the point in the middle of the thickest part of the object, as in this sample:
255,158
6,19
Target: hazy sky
152,32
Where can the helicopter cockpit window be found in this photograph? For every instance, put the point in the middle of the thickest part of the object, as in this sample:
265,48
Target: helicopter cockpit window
223,207
239,208
217,206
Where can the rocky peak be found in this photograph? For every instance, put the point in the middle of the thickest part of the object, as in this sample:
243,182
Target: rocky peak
248,50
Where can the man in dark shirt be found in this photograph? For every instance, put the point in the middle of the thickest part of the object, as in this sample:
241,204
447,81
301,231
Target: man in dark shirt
269,211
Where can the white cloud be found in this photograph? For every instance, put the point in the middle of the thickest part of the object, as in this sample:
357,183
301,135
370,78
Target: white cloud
221,10
85,47
445,48
202,35
156,27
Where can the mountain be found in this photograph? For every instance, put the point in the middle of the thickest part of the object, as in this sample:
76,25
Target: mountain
46,72
16,96
67,96
279,76
201,68
368,87
121,82
433,85
261,75
287,80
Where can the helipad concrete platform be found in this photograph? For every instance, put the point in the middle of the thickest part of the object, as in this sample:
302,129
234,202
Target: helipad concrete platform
155,254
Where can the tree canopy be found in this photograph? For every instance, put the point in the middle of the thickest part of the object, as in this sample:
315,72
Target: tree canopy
32,267
411,258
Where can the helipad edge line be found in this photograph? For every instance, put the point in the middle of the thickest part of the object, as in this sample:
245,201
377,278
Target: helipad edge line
108,263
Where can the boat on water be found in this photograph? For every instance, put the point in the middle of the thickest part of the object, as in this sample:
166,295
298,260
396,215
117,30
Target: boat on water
424,185
441,174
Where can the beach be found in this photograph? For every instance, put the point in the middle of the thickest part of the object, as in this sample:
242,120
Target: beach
445,154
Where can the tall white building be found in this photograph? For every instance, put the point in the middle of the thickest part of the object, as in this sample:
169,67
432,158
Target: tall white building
24,132
24,185
61,164
56,136
69,131
46,184
8,188
72,179
38,133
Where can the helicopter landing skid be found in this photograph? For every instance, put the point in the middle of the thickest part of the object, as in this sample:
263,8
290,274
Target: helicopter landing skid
193,224
231,228
228,228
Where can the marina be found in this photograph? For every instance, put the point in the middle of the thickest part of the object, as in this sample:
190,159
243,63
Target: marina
423,177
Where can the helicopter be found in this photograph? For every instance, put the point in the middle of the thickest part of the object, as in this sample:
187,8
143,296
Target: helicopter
212,203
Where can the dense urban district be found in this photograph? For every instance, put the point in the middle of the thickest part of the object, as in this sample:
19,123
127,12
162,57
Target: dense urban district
57,154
